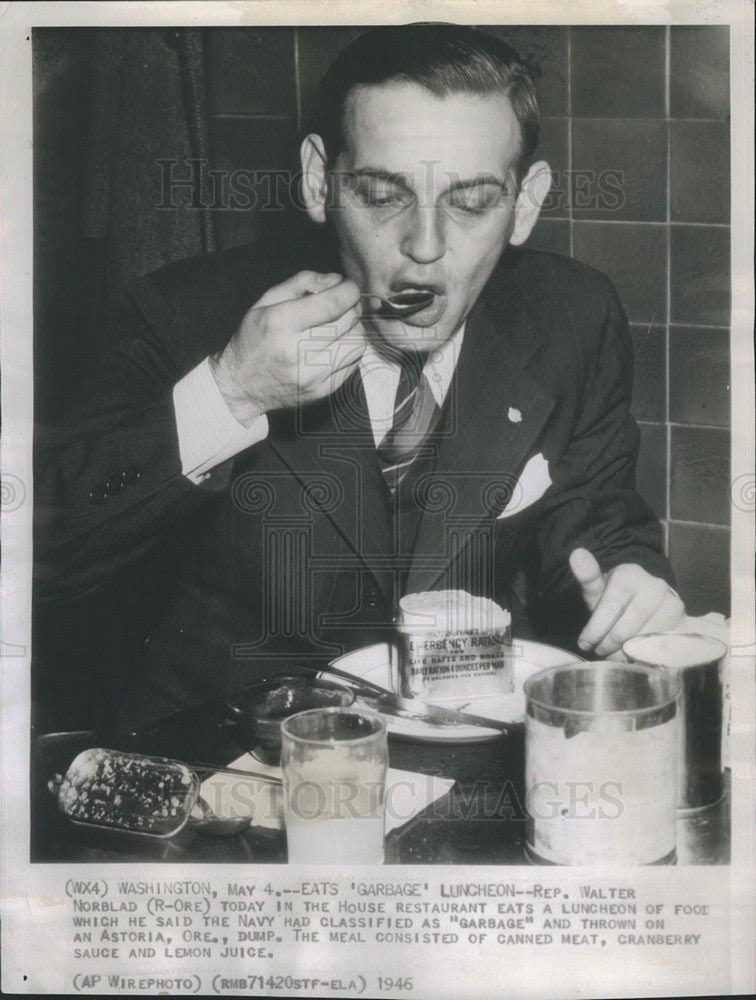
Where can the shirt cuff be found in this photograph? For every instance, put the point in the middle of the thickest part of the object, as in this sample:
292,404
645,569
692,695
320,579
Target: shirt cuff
208,432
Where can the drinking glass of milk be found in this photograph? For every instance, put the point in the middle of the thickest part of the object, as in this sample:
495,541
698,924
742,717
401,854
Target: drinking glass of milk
334,763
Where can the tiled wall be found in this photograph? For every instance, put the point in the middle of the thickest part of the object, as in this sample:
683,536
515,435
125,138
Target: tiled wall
636,130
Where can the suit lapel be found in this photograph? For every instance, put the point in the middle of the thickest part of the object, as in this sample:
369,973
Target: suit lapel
329,447
494,411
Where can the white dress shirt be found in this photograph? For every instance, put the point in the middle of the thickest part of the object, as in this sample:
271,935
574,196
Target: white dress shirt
208,433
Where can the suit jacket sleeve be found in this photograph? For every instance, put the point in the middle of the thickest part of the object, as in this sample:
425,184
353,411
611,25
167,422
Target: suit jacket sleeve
108,482
593,502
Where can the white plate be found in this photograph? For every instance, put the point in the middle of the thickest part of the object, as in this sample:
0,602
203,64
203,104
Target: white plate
375,664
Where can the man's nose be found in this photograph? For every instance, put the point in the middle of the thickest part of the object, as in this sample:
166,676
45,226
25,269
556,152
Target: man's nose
424,240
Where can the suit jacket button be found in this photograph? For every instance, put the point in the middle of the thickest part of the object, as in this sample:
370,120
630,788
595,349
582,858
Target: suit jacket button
114,485
98,496
372,598
130,475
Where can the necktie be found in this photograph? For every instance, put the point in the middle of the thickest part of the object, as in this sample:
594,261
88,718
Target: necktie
415,414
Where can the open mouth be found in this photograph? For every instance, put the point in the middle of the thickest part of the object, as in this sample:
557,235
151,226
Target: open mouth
410,301
399,304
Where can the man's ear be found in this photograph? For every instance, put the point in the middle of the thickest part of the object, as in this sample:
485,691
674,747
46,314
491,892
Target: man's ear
314,176
533,193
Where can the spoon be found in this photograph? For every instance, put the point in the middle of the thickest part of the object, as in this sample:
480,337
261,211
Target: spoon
396,306
216,826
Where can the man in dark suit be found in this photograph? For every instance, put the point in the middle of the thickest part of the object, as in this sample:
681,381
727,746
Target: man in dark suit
312,458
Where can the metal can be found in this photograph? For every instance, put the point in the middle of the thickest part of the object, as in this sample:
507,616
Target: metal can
601,765
697,661
453,646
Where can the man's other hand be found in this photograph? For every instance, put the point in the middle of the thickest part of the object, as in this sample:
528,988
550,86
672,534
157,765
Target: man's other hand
623,603
298,343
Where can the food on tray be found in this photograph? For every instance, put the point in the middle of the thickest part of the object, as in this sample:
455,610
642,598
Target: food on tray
285,700
452,611
152,795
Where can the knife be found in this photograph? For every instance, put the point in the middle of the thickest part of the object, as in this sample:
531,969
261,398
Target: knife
434,715
389,703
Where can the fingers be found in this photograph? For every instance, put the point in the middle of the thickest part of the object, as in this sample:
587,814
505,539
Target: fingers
309,300
289,345
668,616
302,283
345,324
588,574
324,366
320,308
633,602
610,607
350,349
332,348
634,618
637,618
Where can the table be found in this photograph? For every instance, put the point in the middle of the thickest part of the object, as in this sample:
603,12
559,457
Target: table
480,820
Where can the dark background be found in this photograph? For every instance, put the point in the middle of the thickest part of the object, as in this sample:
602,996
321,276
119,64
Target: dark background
649,102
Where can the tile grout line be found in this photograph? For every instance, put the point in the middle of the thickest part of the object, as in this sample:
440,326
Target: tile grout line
633,118
678,423
649,324
569,141
701,326
699,524
667,377
652,222
242,116
297,81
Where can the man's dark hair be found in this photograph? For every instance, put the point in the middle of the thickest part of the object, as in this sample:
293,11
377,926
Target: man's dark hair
443,58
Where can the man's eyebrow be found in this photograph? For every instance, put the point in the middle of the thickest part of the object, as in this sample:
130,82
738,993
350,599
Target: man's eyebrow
375,173
403,180
478,181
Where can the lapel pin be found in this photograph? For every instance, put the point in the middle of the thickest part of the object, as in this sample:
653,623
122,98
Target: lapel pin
514,415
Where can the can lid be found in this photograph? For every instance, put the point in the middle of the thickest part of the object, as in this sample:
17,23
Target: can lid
451,611
674,650
579,697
